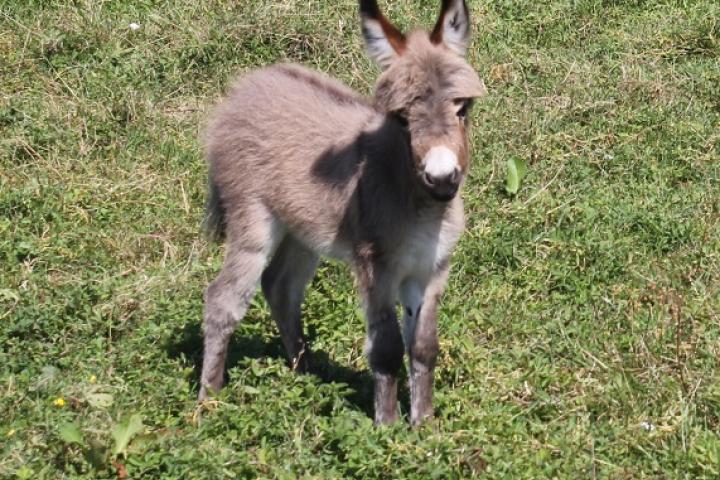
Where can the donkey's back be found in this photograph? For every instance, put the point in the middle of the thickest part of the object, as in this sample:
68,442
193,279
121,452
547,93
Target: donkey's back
286,114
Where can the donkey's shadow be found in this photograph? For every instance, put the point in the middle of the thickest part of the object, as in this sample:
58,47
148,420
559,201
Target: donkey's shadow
190,346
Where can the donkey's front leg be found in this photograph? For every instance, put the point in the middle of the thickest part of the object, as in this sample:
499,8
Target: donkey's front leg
384,346
385,352
421,339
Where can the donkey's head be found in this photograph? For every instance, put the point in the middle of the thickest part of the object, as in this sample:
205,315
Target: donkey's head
429,87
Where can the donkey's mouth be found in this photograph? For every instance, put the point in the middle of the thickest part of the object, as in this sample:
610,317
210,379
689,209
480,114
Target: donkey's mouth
444,196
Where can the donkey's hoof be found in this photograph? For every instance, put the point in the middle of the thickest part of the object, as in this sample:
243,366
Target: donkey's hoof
386,418
422,420
303,362
207,392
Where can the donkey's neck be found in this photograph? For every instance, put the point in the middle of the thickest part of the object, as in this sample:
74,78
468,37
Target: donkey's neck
389,175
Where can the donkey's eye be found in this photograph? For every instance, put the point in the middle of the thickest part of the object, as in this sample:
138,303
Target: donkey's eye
465,106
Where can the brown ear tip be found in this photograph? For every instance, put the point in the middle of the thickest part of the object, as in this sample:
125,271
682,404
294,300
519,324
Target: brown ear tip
370,8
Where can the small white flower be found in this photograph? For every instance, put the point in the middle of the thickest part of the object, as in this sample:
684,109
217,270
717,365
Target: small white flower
134,26
608,156
647,426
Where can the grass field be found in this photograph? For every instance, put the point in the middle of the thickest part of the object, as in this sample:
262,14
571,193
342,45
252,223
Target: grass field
580,332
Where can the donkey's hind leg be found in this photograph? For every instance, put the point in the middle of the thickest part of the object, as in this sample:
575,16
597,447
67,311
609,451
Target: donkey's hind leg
283,284
228,296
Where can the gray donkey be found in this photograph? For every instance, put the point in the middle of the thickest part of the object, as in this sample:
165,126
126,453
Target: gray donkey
302,166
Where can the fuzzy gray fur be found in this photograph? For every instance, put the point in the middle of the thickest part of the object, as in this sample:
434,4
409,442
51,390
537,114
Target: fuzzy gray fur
301,166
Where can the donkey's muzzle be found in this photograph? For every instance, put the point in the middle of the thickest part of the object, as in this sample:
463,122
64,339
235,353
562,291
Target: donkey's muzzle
441,174
442,188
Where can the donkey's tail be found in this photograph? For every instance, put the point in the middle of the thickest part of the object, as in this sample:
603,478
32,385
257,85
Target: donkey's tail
214,221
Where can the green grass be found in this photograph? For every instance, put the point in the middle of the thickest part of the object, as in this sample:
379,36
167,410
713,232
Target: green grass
580,331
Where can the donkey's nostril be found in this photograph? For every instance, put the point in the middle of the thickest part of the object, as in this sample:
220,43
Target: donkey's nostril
429,179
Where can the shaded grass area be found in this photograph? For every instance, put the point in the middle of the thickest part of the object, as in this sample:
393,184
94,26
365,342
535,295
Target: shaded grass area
580,329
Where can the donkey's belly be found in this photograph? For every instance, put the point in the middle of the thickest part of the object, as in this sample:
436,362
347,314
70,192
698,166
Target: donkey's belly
336,249
322,237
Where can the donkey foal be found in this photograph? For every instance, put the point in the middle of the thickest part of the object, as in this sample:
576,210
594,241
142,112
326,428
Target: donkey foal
302,166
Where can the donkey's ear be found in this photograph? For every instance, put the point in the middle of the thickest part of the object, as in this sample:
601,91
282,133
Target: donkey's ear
384,42
453,26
